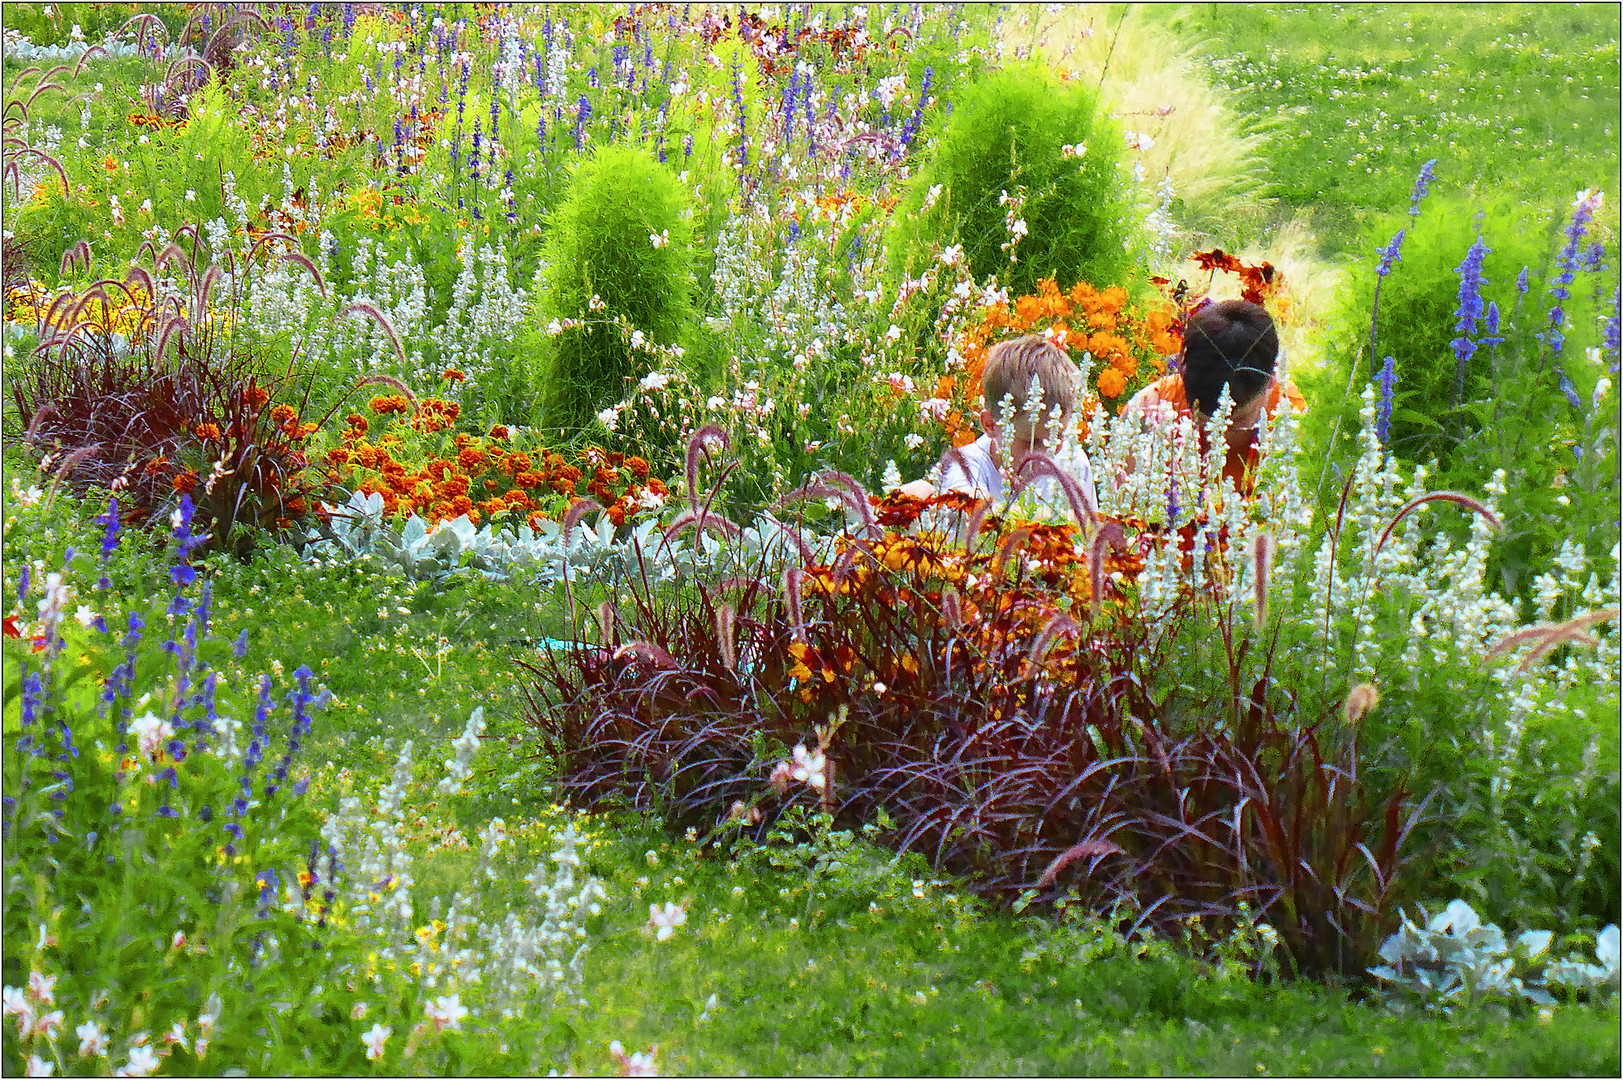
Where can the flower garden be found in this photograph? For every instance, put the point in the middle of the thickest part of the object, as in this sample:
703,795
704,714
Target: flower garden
467,609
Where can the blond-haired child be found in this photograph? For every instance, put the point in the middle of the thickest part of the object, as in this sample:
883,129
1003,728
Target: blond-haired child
1013,369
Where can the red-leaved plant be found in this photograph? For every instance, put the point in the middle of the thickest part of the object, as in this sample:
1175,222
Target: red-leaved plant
143,387
1006,707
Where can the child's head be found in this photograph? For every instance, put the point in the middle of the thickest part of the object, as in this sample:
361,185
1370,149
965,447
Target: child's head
1233,342
1010,366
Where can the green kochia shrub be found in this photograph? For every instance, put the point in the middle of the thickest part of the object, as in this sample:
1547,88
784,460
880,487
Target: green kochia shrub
601,245
1007,132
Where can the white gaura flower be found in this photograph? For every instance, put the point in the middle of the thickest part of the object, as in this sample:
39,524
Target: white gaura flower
42,988
38,1066
447,1012
151,731
660,239
374,1040
664,921
142,1062
609,417
92,1040
638,1064
809,768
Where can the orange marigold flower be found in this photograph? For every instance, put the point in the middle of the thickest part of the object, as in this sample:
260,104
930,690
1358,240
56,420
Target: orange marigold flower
296,505
1111,383
185,482
307,429
257,396
491,485
208,432
498,432
564,486
281,414
657,486
461,504
471,458
638,467
493,506
453,375
384,404
338,455
536,519
1127,365
358,422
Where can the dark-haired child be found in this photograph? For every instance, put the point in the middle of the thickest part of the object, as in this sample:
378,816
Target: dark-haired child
1232,343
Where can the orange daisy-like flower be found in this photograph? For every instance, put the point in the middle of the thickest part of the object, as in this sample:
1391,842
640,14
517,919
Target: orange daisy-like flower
453,375
898,509
498,432
208,432
1111,383
808,663
384,404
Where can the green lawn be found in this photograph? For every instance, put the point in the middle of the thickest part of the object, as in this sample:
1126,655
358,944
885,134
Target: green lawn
1356,97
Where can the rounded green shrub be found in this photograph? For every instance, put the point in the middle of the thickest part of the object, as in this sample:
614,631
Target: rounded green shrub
602,245
1007,132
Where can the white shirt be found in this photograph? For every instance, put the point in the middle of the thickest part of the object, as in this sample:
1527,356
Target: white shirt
985,479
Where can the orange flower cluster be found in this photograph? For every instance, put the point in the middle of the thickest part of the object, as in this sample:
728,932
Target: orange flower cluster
1128,343
479,477
1020,577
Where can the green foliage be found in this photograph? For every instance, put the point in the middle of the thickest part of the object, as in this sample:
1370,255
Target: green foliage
1417,305
600,247
1505,408
1005,135
1519,99
52,24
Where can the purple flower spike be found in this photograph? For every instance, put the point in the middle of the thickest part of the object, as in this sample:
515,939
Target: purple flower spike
110,519
1422,184
1389,254
1469,311
1383,406
1584,208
